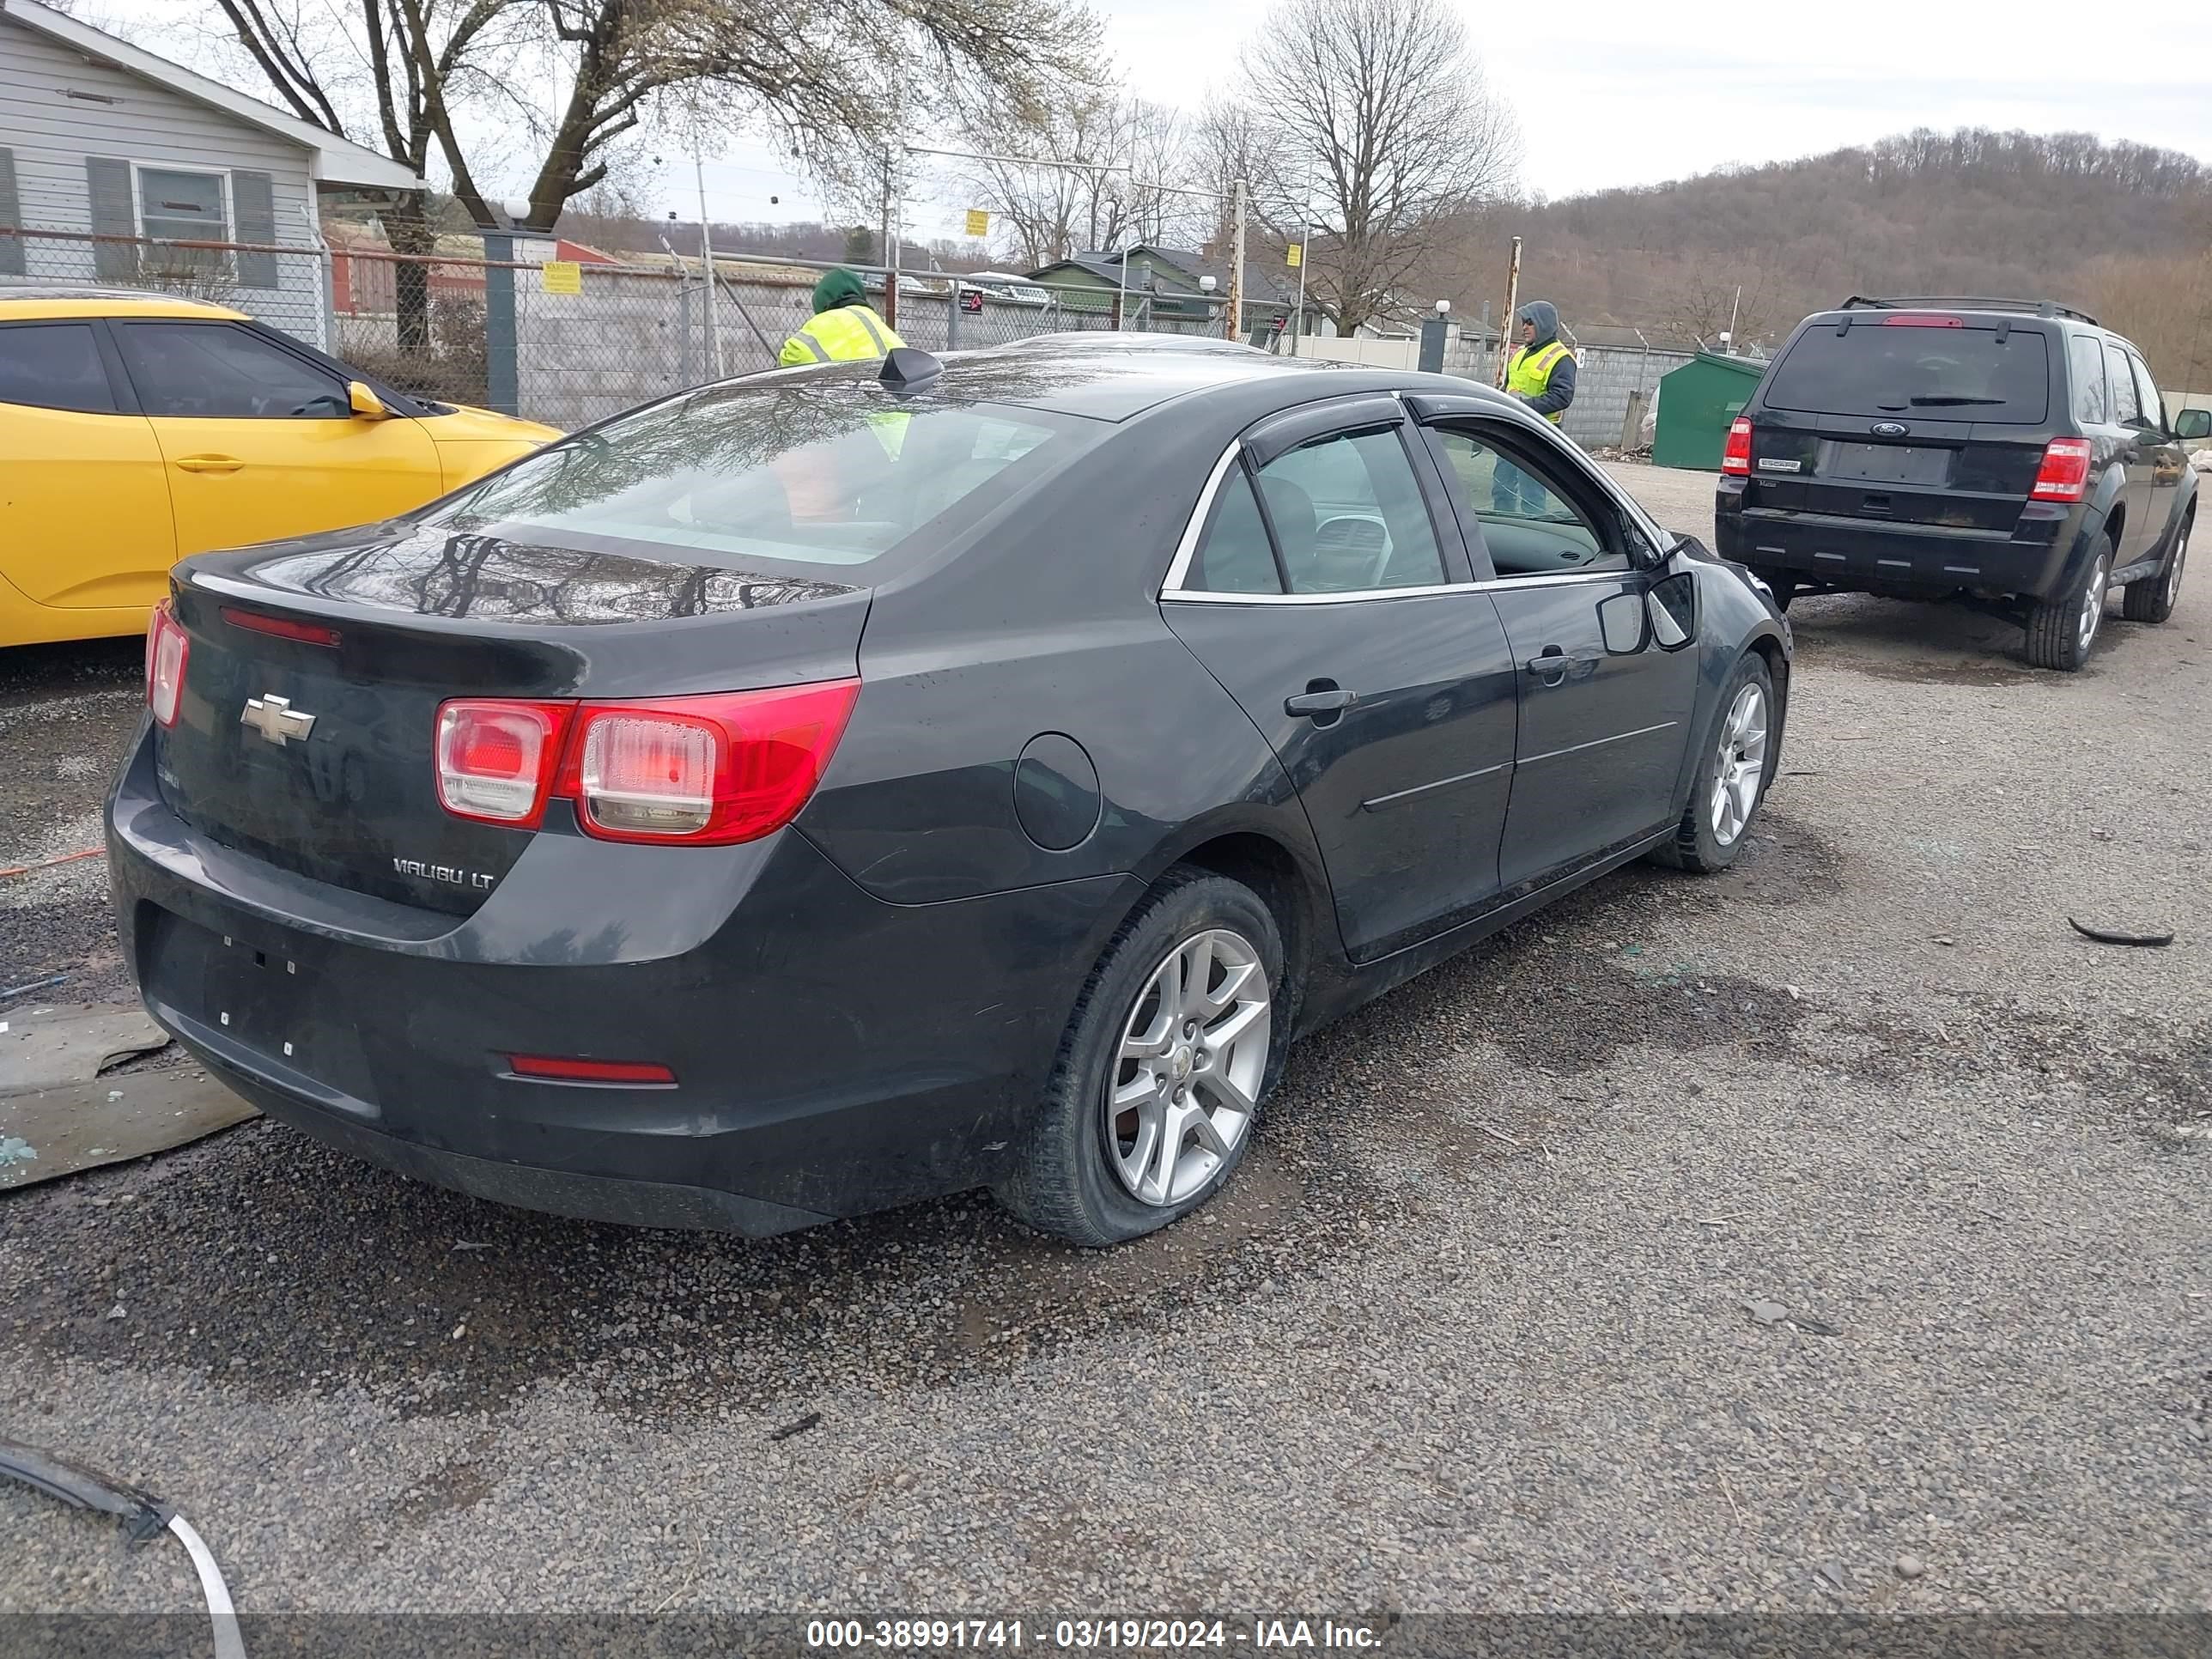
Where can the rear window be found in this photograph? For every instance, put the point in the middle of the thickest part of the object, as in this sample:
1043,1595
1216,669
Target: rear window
799,473
1893,371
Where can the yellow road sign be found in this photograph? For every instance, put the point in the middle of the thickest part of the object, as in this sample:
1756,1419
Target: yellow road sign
979,222
1297,255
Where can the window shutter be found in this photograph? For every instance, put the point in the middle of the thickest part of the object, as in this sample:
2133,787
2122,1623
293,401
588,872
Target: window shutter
108,182
254,205
11,247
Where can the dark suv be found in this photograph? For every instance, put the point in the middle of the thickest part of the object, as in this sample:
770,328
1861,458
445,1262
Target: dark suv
2011,454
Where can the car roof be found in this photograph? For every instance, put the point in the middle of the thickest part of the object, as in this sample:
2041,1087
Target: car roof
1078,375
34,301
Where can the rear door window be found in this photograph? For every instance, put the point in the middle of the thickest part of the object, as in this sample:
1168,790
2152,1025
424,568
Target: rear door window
1348,516
54,366
2088,358
1895,371
2127,408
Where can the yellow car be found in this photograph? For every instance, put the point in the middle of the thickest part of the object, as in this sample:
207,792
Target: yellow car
137,429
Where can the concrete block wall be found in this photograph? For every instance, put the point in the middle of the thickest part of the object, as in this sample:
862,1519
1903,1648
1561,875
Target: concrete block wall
1604,377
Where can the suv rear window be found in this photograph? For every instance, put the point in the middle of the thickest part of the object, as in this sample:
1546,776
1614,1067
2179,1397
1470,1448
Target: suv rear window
791,471
1888,370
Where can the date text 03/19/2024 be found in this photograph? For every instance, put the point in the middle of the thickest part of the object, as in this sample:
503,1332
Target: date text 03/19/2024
1108,1635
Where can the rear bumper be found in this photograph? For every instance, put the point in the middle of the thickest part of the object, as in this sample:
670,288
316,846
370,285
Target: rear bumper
834,1054
2032,559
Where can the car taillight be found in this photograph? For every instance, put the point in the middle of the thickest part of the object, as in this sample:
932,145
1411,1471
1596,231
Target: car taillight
699,771
2064,474
1736,458
168,648
496,759
708,771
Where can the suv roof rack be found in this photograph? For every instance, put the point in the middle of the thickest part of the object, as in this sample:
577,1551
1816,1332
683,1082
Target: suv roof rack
1969,302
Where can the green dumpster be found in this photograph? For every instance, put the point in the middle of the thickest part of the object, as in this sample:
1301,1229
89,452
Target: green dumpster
1698,403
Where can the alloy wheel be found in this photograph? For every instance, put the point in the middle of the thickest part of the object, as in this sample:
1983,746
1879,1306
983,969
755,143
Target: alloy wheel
1742,762
2174,567
1187,1079
2093,603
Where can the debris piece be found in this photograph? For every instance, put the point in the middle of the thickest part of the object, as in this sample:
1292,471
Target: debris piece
1498,1134
1766,1313
143,1517
1833,1572
75,1047
2106,936
1813,1326
48,864
78,1127
811,1420
35,985
1911,1566
465,1244
1796,995
1945,939
459,1331
14,1148
116,1312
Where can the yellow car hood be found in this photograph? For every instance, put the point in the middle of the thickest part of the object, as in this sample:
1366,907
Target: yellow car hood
466,425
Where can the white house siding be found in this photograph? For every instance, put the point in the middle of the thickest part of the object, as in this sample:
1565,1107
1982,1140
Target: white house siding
50,134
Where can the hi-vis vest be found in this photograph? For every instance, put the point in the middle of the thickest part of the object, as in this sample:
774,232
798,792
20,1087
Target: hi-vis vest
1528,374
844,335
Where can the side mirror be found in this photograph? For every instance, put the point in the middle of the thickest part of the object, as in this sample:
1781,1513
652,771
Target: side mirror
365,403
1673,604
1622,623
2192,424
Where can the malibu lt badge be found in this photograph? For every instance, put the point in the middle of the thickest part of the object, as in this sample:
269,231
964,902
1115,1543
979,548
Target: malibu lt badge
276,719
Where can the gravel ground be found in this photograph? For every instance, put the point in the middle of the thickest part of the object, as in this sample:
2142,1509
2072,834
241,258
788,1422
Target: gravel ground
1469,1334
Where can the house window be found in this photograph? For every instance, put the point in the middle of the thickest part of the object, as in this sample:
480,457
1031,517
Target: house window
183,206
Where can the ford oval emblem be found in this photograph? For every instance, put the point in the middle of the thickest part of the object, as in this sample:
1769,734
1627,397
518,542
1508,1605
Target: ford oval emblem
1889,428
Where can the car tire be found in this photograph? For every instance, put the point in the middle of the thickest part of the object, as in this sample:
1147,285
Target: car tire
2152,599
2061,631
1086,1173
1740,746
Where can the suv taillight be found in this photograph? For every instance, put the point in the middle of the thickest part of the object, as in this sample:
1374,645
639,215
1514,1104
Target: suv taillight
2064,474
697,771
168,648
1736,458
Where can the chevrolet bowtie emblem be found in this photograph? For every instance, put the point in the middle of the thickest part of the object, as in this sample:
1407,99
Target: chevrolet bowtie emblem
275,719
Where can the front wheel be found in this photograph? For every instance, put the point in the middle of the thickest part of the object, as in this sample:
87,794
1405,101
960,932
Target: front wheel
1174,1041
1730,786
2060,631
2153,599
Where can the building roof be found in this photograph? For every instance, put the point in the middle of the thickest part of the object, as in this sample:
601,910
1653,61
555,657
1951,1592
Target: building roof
330,159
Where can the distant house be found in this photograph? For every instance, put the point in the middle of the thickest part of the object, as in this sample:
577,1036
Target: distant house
1166,285
364,279
125,154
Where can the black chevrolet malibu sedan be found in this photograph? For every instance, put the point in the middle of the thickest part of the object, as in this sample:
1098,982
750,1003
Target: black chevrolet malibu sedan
842,786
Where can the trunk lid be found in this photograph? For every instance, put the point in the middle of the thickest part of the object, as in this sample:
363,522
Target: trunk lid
312,748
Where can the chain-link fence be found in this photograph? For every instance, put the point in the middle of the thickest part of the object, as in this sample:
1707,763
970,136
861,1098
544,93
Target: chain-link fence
286,287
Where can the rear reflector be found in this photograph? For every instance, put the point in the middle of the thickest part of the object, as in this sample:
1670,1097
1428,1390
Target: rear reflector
1736,458
283,627
168,649
496,760
546,1069
2064,474
1922,319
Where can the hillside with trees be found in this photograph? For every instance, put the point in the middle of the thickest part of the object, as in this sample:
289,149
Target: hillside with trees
2121,230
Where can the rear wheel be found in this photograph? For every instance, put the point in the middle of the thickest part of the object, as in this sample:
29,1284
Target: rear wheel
1730,784
2060,631
2153,599
1174,1044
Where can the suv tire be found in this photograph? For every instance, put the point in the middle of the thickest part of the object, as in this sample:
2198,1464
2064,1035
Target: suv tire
1709,838
2152,598
2061,631
1084,1174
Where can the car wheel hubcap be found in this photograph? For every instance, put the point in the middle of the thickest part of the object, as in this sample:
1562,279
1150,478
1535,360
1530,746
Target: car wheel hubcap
2173,570
2092,603
1186,1084
1742,761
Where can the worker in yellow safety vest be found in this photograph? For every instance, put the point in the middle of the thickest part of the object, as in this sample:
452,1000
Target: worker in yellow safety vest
843,329
1542,374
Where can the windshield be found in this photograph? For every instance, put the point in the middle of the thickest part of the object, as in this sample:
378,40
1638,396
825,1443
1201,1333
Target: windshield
1893,372
798,472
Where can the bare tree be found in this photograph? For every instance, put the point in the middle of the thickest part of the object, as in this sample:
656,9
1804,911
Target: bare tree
1377,111
1716,291
413,71
1049,212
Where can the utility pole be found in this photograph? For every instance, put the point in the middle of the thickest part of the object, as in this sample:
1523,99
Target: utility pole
1734,304
1235,330
894,233
1512,304
707,259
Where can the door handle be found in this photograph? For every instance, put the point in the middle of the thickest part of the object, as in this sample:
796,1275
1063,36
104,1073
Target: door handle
1550,665
208,463
1317,703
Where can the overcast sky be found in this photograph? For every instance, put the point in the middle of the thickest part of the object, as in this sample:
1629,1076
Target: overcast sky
1627,92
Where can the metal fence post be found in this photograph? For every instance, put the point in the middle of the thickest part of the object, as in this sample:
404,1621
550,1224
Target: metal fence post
952,319
503,388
